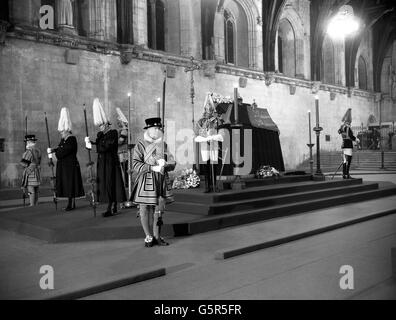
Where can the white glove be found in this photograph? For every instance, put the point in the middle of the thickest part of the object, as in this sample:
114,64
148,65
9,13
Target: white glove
49,153
200,139
357,140
161,162
217,137
88,143
156,168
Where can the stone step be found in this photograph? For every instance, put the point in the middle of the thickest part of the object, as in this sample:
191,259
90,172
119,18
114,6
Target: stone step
261,191
263,202
248,216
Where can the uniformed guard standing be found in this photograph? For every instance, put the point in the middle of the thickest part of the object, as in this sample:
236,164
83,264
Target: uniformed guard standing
347,143
31,160
122,123
108,174
152,165
68,173
206,132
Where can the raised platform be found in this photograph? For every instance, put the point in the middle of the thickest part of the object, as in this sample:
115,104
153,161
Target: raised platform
195,211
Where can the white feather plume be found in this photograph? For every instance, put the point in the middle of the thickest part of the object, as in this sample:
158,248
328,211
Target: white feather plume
99,115
64,123
121,117
209,104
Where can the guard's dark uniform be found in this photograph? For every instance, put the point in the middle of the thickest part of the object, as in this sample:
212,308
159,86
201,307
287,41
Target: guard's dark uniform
347,147
109,178
68,173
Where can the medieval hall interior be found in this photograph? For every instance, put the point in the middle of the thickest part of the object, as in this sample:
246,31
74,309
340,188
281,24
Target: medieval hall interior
198,149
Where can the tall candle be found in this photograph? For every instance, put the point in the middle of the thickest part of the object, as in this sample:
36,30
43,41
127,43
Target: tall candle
159,108
309,126
236,115
129,118
317,110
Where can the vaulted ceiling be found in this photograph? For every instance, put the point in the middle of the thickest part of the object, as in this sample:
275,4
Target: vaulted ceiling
380,15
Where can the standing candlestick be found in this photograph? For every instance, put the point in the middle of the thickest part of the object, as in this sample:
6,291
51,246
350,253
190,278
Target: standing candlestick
236,114
318,129
159,108
129,203
310,144
129,118
309,126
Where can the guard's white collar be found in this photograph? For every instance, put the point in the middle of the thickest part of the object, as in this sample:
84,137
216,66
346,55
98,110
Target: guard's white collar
151,140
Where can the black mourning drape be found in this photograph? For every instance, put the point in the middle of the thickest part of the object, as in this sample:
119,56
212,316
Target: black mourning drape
266,148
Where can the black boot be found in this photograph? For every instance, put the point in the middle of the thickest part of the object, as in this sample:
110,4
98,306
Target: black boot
114,210
349,160
208,180
160,241
108,212
344,171
70,205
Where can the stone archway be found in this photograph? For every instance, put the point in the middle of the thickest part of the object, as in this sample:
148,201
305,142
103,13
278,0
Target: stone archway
286,48
247,24
302,45
328,62
362,73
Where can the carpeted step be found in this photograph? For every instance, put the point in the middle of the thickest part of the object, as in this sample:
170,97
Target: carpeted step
248,216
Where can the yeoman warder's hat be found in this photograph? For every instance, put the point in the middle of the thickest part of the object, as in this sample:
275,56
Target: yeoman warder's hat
153,122
30,137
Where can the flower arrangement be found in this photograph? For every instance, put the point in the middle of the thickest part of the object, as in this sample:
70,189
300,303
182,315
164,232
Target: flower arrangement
186,180
266,171
218,98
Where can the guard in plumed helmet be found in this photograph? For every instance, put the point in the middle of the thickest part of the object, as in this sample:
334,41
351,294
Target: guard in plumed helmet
110,187
208,137
122,124
152,165
347,143
68,173
31,160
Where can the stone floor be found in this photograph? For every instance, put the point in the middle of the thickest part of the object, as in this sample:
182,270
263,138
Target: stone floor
303,269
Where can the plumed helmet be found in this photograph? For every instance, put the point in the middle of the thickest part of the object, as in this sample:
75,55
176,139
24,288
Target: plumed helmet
98,113
348,116
64,123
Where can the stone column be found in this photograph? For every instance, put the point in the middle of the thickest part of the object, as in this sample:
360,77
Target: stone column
64,12
140,22
153,25
190,28
219,42
392,75
177,30
103,20
125,21
339,62
25,12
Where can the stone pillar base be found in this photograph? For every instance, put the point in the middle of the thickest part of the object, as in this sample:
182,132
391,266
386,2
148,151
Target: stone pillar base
66,29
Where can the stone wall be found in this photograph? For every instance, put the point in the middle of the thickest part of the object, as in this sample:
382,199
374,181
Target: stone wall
35,78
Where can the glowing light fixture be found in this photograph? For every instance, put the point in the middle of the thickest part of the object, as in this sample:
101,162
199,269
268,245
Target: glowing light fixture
343,23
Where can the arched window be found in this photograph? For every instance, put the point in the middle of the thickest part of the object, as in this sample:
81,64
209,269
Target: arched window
280,55
124,21
328,66
4,11
229,36
362,73
286,49
156,24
